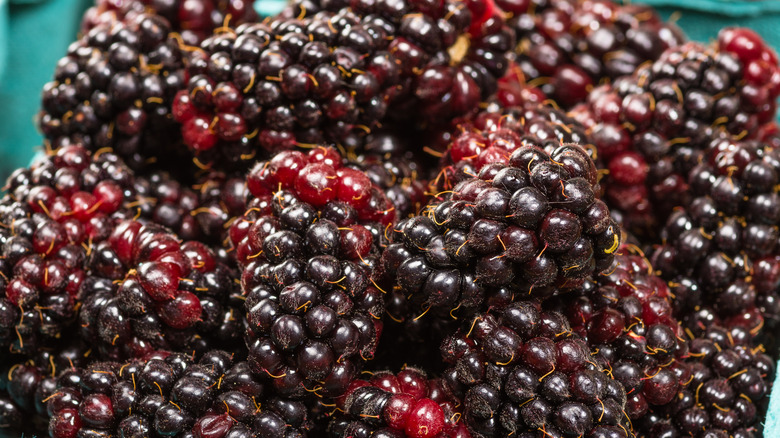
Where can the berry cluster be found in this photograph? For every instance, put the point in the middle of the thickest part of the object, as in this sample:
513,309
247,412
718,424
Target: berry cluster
308,245
626,318
721,251
115,89
194,20
51,215
405,404
522,371
492,135
240,226
651,128
568,47
146,290
518,228
727,385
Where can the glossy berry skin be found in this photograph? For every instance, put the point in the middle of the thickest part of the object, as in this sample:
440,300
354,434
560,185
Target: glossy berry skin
308,245
568,47
511,120
114,89
406,404
54,211
169,393
194,20
521,371
275,89
731,275
652,128
506,232
389,161
455,54
626,317
197,212
147,290
729,385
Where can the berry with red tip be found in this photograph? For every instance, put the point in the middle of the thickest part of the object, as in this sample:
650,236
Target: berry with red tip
308,245
407,404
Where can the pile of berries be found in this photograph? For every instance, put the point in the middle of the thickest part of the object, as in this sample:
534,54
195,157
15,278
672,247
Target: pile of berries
395,219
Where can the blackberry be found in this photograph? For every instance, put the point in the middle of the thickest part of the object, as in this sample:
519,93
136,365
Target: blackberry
720,252
169,394
652,127
194,20
451,55
567,47
519,228
51,214
406,404
308,245
146,290
114,89
327,76
726,395
626,317
493,134
521,371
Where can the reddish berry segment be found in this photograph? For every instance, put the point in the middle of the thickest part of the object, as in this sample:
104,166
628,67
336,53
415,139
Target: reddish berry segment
53,213
407,404
162,394
626,318
522,227
194,20
147,290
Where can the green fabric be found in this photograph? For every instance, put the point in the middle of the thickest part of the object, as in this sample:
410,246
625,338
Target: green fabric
39,34
734,8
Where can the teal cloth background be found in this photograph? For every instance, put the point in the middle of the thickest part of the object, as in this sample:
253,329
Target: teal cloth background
39,31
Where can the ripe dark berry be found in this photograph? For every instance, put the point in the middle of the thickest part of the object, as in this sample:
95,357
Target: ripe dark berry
194,20
55,211
521,371
714,245
518,228
568,47
727,385
653,126
146,290
114,90
308,245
